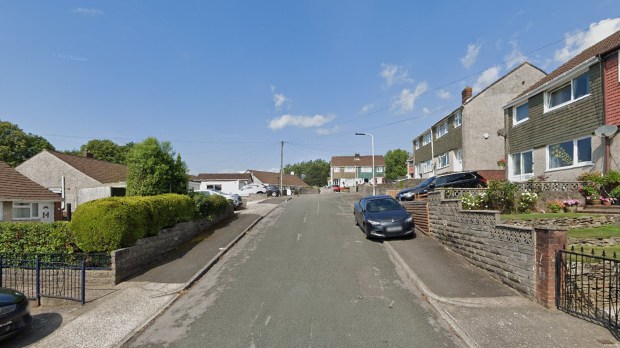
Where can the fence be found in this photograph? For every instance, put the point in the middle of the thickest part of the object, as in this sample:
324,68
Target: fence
587,286
61,276
418,208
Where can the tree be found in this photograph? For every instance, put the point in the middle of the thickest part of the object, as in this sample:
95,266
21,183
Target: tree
313,173
105,150
152,169
396,164
16,146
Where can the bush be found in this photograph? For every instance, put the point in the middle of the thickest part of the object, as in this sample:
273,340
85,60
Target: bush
554,206
471,202
501,195
111,223
208,206
526,202
36,237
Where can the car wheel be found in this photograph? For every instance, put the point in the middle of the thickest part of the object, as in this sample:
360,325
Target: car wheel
260,192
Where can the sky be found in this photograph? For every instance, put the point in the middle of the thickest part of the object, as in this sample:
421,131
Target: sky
226,82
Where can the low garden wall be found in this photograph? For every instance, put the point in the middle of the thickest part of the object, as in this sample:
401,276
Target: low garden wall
129,261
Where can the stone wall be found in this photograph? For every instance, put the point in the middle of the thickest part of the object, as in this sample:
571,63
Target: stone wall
566,222
128,261
381,189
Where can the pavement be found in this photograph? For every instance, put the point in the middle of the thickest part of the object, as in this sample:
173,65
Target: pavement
479,309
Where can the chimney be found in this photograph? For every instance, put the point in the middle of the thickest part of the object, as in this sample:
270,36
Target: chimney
466,94
357,157
87,154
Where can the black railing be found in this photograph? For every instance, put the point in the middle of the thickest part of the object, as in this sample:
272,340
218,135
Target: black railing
60,276
588,286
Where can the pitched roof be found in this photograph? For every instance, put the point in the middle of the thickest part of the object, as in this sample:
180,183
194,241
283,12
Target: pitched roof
223,176
606,45
363,161
274,178
15,186
102,171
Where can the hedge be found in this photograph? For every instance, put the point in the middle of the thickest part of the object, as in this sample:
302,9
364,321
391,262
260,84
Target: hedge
209,206
36,237
112,223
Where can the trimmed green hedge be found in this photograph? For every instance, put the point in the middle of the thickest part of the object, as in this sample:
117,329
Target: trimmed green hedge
209,206
36,237
111,223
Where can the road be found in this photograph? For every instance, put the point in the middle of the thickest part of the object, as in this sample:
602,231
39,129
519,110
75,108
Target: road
304,276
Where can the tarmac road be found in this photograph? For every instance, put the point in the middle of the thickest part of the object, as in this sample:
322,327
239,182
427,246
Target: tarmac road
304,276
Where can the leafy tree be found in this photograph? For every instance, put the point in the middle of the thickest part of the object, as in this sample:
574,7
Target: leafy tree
396,164
152,169
16,146
107,150
313,173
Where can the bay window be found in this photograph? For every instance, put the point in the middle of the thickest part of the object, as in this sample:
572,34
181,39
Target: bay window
569,153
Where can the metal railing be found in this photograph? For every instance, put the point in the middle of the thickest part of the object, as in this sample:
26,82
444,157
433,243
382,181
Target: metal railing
588,286
61,276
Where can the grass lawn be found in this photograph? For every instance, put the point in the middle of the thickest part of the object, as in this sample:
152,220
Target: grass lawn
606,231
598,251
544,216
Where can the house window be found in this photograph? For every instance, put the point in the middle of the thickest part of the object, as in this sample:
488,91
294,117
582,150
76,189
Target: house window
569,153
418,170
366,170
336,169
442,129
426,138
349,169
520,114
214,187
25,211
458,119
428,167
443,161
578,87
521,166
379,169
416,144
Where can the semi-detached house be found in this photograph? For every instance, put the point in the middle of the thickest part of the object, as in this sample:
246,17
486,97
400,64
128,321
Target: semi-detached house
550,126
349,171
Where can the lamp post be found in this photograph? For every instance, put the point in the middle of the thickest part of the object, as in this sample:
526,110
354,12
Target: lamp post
372,141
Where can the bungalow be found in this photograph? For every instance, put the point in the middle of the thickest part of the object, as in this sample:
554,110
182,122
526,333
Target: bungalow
22,199
225,182
270,178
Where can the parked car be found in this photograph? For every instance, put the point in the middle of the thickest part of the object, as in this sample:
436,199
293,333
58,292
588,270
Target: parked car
382,216
468,179
336,188
235,198
14,312
272,191
253,188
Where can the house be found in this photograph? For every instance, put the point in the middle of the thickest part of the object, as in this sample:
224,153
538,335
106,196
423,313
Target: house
270,178
225,182
347,171
550,127
466,138
78,179
410,167
22,199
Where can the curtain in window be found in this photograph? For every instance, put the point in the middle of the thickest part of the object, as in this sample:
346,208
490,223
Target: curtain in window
561,155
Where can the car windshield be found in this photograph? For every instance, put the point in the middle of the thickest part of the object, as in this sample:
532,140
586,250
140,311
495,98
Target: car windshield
377,205
426,182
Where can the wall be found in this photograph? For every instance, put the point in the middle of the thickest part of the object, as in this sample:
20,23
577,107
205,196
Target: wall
612,90
227,186
129,261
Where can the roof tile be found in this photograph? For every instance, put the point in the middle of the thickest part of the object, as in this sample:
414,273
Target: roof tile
102,171
14,186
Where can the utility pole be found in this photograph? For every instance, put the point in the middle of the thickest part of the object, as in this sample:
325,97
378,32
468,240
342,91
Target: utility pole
281,165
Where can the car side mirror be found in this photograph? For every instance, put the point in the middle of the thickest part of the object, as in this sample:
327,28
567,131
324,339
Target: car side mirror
431,185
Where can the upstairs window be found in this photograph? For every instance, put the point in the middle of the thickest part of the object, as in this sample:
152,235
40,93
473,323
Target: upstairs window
426,138
349,169
416,144
442,129
458,119
578,87
520,114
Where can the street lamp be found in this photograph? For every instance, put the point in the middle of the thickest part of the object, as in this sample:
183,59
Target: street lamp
372,141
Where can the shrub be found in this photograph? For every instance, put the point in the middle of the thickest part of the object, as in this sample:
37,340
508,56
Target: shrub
118,222
501,195
615,192
36,237
612,177
554,206
526,202
472,202
208,206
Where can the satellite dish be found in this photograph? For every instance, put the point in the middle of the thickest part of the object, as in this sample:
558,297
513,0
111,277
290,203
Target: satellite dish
606,130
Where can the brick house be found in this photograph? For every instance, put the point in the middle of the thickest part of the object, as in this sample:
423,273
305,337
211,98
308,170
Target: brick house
467,138
349,171
77,179
549,128
22,199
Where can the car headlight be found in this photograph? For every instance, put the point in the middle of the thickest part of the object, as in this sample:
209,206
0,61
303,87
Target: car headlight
409,219
408,194
373,222
7,309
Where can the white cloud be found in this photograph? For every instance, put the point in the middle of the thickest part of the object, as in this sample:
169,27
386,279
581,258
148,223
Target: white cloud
394,75
486,78
299,121
92,12
405,101
70,57
366,108
471,56
443,94
279,99
515,57
575,43
426,111
327,131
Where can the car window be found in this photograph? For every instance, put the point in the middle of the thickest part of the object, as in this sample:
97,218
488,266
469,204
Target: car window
441,180
426,182
377,205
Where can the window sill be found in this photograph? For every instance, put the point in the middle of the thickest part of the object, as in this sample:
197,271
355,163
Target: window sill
584,164
514,124
565,104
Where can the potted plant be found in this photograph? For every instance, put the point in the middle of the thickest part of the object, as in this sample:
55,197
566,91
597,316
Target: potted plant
570,205
554,206
501,163
592,194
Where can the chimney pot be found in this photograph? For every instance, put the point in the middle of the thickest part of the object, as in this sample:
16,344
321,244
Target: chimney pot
466,94
87,154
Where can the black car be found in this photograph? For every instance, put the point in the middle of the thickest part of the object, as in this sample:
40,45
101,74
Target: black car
461,179
382,216
272,191
14,312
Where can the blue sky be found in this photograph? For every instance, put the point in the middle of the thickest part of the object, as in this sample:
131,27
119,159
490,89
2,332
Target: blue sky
226,81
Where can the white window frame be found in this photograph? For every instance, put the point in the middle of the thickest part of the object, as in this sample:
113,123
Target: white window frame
547,94
214,187
349,169
365,169
336,169
522,176
425,140
458,119
443,161
514,114
416,144
575,164
442,130
428,167
379,169
22,205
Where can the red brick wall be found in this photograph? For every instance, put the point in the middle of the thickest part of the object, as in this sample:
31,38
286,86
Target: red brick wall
612,90
549,240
